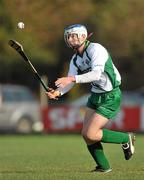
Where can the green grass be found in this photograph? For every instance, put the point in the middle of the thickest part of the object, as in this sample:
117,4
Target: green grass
63,157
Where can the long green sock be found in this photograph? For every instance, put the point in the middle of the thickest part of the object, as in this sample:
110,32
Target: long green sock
114,137
96,150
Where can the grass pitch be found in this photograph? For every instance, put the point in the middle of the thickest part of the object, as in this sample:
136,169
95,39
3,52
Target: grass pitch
63,157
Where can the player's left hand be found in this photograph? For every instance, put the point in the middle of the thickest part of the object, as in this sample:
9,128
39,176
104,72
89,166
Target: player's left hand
53,94
64,81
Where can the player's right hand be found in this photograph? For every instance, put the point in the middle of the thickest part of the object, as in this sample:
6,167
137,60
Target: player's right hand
53,94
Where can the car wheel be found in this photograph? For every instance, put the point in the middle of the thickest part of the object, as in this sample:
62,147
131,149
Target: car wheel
24,126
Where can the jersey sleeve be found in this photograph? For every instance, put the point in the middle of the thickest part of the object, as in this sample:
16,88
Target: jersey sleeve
98,55
71,72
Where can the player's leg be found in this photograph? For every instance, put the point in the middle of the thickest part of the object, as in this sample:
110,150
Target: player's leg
126,139
93,133
92,123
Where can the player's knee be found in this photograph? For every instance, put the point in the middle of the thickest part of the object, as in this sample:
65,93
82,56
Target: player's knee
89,136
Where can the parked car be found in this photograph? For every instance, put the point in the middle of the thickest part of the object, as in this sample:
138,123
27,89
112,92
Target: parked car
19,110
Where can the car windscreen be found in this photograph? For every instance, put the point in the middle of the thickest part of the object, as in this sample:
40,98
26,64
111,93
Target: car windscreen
17,95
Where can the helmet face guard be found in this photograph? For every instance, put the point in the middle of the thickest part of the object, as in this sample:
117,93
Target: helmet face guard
77,29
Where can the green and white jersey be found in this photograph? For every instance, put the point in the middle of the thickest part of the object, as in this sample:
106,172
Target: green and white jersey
94,66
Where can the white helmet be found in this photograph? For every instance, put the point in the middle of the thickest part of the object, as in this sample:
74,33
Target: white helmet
75,29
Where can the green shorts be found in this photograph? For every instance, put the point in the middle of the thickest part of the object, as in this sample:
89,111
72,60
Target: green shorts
107,104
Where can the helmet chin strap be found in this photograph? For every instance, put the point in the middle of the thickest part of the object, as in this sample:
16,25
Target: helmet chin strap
77,46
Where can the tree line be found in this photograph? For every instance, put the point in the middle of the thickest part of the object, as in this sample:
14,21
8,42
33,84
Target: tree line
116,24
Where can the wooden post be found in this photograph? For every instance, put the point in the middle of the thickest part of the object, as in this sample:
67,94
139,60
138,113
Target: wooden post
43,96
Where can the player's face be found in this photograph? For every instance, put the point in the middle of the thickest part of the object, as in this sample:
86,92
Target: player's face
73,40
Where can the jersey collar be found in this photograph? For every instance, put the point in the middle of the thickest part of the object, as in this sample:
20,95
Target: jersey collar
85,47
